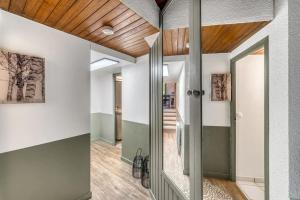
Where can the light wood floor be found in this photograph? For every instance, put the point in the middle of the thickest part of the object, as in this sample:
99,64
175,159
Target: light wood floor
228,186
214,189
111,178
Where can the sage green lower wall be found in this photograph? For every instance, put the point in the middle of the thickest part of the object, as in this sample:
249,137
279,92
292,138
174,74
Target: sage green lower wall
135,135
216,151
103,127
58,170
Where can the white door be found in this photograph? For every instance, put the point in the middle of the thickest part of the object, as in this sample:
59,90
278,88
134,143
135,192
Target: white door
250,118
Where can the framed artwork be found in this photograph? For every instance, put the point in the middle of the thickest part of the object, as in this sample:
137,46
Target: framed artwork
22,78
221,87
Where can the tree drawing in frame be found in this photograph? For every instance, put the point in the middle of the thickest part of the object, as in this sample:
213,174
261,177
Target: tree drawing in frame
221,87
22,78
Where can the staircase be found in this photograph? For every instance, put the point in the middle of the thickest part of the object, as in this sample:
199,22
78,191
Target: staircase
170,120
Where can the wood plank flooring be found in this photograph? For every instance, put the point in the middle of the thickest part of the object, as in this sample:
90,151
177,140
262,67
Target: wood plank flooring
111,178
214,189
228,186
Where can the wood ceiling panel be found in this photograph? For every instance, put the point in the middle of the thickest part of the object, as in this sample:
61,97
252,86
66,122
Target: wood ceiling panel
99,14
119,22
86,19
31,8
125,41
130,43
45,10
138,50
4,4
181,38
215,39
123,30
17,6
84,14
62,7
122,27
185,50
167,43
135,32
137,37
174,40
76,8
105,21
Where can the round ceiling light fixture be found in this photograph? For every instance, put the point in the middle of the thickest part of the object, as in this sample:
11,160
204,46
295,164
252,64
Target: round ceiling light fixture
108,30
187,45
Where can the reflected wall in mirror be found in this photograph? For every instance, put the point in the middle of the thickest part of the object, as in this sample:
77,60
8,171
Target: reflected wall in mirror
233,146
175,100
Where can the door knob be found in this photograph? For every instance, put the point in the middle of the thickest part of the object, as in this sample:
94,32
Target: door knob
189,92
239,115
194,93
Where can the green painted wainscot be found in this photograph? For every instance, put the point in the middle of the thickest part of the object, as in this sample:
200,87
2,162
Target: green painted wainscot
135,135
216,151
103,127
57,170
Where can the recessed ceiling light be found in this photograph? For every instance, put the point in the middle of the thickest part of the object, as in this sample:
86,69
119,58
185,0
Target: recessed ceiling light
108,30
119,78
165,70
104,62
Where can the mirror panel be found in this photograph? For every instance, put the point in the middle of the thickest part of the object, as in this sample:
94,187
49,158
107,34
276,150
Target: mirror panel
233,156
175,99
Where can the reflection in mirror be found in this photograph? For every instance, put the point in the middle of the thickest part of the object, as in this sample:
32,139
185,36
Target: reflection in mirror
233,148
175,100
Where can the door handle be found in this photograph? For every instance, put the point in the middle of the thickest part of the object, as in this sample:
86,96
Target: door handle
195,93
239,115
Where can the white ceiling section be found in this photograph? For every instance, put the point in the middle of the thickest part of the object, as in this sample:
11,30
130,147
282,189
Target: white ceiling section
174,69
95,55
113,53
151,39
216,12
147,9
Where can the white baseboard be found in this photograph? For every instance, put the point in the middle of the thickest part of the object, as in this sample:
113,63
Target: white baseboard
251,179
126,160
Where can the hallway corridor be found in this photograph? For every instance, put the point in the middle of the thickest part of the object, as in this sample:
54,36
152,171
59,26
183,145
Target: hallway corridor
111,178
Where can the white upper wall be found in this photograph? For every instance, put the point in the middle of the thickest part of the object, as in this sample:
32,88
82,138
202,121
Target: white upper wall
211,63
181,94
214,113
147,9
66,111
135,91
277,31
102,92
174,70
219,12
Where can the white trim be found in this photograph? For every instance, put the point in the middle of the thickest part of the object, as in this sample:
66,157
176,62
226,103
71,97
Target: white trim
250,179
111,52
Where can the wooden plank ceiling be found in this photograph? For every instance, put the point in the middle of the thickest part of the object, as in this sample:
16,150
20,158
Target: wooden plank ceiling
215,39
86,19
